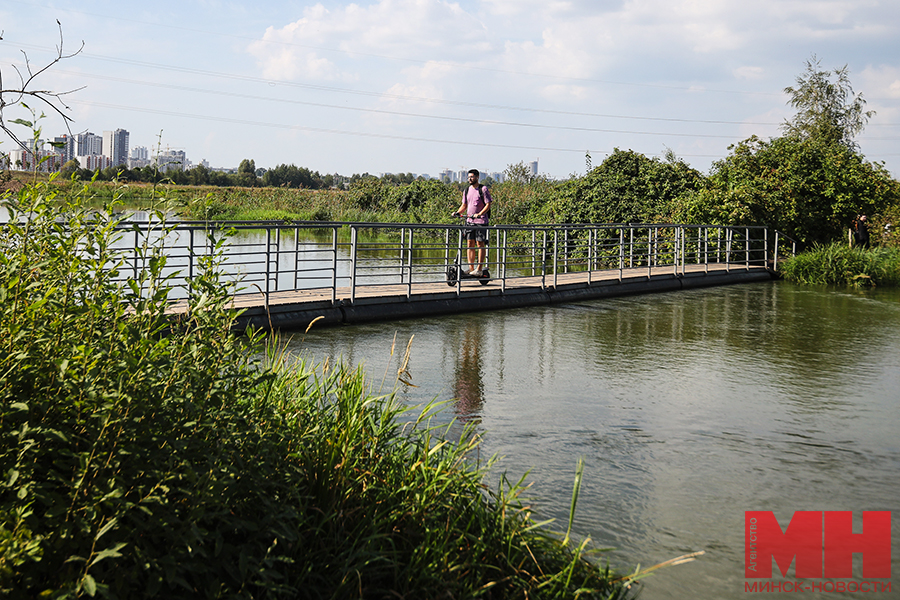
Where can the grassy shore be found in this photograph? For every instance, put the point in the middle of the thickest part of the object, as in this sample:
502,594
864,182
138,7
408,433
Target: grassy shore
838,264
146,457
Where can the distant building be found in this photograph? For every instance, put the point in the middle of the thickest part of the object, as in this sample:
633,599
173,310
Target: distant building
139,157
498,177
171,160
94,161
21,159
88,144
67,150
115,146
534,168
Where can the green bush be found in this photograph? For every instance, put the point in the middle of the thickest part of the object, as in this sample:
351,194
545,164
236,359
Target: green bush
144,455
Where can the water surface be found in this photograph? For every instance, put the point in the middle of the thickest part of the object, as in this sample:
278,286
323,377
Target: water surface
689,408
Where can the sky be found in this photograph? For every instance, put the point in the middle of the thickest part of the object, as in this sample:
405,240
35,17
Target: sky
391,86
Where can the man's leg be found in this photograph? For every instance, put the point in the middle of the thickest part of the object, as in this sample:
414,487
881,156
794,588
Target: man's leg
472,253
482,256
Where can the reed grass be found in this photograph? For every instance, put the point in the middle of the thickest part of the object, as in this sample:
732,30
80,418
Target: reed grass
838,264
143,456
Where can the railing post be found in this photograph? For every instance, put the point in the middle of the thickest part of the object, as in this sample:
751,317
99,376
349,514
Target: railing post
296,255
544,259
747,248
766,247
706,249
591,234
268,259
353,258
409,261
729,234
680,249
462,260
190,253
446,251
277,255
555,256
775,258
621,252
334,263
502,266
631,247
402,247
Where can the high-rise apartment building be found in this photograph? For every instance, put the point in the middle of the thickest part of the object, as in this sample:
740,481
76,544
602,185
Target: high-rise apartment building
171,160
139,157
88,144
115,146
67,148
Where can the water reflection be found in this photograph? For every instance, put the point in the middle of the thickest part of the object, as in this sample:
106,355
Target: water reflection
469,388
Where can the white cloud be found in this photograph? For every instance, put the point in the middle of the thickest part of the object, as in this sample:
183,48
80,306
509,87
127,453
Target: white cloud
351,34
880,83
749,73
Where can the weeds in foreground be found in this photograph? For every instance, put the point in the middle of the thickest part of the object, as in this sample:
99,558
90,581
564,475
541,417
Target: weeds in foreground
838,264
146,457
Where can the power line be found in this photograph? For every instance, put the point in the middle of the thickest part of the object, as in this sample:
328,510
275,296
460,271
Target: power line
392,112
343,132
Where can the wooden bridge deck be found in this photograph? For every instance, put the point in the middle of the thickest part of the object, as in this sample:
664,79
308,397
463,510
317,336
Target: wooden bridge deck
296,309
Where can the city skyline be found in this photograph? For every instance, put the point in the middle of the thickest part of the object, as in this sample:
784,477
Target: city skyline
420,86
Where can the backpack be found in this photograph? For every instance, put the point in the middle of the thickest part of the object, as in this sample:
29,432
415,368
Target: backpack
487,215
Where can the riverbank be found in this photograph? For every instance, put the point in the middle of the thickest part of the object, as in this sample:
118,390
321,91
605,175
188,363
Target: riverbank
143,457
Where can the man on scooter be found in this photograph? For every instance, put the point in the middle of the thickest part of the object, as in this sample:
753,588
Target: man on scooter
476,204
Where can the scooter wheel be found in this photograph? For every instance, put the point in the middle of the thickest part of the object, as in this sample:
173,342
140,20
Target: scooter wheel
485,277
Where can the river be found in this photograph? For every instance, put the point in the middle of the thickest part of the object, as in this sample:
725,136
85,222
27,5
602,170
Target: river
688,408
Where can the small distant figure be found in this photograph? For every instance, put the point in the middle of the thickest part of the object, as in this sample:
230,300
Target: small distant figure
861,232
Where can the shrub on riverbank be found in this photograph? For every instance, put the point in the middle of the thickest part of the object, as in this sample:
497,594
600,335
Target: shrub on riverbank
838,264
146,457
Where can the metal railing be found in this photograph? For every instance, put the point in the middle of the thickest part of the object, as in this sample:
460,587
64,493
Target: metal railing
267,257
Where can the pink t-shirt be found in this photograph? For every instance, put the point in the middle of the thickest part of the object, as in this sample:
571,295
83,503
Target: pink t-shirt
474,204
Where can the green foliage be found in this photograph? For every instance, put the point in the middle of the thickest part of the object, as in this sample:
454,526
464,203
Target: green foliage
827,110
143,455
627,187
808,189
838,264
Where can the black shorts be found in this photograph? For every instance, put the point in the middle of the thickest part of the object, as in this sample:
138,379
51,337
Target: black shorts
476,232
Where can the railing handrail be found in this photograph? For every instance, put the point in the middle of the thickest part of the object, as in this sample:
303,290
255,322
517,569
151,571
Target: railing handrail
379,225
548,252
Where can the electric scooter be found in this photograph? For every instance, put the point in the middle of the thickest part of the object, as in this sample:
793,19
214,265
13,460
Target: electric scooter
457,274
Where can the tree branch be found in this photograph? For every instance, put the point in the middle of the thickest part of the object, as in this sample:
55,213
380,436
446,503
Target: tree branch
16,95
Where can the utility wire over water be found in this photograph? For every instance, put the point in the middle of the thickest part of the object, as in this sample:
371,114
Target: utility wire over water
688,408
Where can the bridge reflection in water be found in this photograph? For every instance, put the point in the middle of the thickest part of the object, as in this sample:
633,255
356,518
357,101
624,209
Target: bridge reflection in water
288,274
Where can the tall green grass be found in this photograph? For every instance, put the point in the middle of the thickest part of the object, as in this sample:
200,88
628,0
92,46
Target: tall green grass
147,456
838,264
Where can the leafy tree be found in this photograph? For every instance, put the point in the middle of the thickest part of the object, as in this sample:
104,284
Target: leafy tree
827,109
809,189
627,187
518,173
247,173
